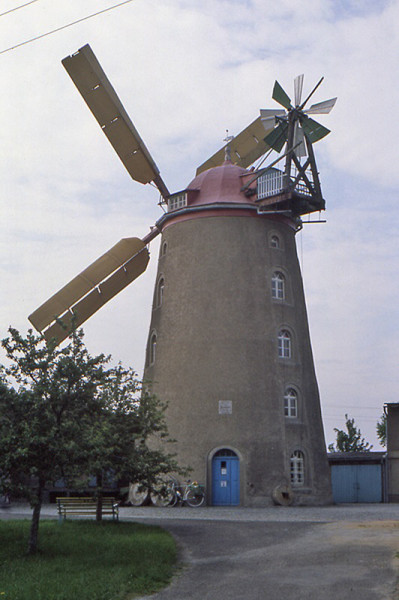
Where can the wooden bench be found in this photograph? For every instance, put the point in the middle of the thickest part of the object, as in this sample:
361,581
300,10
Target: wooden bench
86,507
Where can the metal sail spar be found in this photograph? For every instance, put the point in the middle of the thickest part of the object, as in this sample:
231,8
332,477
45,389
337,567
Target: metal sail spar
99,95
104,278
247,146
298,86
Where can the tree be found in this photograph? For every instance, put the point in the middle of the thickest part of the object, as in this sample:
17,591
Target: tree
48,397
381,428
350,440
64,413
120,442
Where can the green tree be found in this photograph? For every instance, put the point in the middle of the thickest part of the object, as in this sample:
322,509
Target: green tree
127,440
64,413
47,399
381,428
350,440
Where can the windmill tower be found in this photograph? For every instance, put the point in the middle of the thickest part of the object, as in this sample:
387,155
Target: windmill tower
228,346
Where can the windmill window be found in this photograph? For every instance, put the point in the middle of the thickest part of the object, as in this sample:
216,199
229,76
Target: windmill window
160,289
291,403
297,468
278,286
164,248
284,344
177,201
153,346
275,241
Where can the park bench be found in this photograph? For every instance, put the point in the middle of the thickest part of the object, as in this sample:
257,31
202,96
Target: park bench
86,507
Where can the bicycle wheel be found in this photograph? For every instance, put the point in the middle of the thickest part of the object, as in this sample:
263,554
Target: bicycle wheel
138,495
161,500
195,497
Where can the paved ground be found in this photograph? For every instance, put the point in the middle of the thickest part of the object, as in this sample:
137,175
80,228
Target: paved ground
341,552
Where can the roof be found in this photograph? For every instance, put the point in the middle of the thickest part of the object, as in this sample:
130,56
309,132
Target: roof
220,185
356,457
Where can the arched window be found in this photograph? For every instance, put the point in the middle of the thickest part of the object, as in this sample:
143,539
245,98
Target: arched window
297,468
278,286
160,288
275,241
164,248
153,346
225,452
291,403
284,344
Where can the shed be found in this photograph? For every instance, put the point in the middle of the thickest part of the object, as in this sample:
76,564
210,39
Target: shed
358,476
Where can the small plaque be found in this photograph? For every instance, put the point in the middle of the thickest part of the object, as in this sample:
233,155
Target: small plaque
225,407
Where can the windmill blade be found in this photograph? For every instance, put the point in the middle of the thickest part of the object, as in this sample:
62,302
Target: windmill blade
269,118
321,107
277,138
125,261
99,296
246,147
280,96
99,95
298,85
267,113
299,141
313,130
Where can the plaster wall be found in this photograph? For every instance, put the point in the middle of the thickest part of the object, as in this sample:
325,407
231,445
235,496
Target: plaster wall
217,340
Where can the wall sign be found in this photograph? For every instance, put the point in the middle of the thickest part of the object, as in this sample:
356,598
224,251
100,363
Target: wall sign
225,407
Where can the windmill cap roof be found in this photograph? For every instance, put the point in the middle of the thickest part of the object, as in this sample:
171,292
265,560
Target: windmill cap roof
220,184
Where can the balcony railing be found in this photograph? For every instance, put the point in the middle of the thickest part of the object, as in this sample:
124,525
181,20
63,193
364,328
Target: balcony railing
272,183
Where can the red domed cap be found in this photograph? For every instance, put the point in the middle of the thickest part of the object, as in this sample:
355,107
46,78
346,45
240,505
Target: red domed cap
219,184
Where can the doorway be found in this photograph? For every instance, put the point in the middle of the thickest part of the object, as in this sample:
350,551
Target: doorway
225,478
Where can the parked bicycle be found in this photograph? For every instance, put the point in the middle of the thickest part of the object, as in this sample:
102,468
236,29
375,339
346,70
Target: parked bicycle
192,494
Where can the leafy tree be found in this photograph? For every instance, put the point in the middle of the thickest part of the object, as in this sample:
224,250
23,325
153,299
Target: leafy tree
64,413
381,428
48,398
350,440
120,442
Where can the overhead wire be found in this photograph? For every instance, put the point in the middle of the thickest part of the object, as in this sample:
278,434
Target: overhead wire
17,7
38,37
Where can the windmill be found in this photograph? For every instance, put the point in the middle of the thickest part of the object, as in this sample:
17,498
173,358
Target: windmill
228,346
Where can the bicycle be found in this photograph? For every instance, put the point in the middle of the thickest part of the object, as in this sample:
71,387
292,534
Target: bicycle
192,493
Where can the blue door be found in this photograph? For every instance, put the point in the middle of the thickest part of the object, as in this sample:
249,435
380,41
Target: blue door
225,479
356,483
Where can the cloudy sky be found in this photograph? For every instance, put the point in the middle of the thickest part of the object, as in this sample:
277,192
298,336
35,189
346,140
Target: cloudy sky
187,70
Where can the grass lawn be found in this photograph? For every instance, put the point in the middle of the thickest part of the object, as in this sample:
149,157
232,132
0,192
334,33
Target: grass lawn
84,560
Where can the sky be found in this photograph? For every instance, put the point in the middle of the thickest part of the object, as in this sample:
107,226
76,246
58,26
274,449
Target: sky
187,71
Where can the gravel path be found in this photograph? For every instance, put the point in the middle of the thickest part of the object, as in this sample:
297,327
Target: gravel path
323,514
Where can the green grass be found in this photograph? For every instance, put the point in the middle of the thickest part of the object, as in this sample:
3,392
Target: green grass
83,560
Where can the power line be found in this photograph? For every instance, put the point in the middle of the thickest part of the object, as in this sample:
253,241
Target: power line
17,8
38,37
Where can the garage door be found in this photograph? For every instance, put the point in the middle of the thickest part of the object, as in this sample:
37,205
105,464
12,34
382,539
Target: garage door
356,483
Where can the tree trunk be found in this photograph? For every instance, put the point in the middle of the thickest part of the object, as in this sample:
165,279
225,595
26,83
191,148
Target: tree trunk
99,498
34,526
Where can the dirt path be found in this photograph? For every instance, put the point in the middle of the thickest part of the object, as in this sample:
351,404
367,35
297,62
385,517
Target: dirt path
290,561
